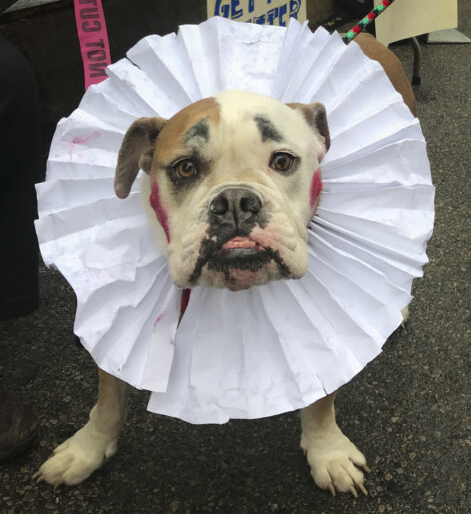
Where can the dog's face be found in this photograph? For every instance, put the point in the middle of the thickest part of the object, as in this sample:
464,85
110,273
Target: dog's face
234,181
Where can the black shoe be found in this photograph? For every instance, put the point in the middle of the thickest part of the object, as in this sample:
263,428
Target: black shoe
19,427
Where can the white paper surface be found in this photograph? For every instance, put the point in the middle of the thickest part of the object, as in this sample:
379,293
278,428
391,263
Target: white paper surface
270,349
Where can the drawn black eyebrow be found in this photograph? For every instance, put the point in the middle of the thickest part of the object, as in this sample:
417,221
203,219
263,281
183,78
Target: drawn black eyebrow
267,130
200,130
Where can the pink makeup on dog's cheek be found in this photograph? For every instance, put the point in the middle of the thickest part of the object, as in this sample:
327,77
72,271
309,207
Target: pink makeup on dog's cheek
160,212
315,189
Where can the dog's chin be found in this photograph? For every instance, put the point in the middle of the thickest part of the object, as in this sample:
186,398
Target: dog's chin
238,279
239,269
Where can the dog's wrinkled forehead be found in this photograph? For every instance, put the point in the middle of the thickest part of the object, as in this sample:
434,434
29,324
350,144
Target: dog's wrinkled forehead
239,117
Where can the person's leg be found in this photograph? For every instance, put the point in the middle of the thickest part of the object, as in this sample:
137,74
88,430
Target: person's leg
19,170
19,255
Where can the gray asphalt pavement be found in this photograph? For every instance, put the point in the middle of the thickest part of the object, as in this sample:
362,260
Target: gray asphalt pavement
408,411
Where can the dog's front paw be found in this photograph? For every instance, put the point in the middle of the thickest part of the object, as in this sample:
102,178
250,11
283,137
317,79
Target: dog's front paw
77,458
335,462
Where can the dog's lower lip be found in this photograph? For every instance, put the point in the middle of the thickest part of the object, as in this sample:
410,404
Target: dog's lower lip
241,242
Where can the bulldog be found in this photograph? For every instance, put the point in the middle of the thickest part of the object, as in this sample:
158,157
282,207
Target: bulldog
231,184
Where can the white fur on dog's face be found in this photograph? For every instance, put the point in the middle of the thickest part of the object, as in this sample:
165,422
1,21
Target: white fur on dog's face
234,181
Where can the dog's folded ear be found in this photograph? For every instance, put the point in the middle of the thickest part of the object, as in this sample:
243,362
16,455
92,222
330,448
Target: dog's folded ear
316,116
137,150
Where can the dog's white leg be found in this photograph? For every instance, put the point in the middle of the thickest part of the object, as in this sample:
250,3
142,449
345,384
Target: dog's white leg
78,457
405,314
334,459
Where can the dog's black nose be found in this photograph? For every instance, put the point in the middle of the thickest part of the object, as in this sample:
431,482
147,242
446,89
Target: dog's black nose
236,204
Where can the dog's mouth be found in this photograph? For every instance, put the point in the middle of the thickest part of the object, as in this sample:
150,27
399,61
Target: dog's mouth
241,242
240,253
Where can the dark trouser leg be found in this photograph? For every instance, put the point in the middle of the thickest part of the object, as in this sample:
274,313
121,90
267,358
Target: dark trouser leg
19,170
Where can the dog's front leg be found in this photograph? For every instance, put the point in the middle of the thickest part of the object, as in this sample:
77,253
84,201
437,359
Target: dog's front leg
334,459
78,457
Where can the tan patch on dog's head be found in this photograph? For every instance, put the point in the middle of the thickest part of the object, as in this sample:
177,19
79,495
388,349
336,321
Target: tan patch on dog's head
187,128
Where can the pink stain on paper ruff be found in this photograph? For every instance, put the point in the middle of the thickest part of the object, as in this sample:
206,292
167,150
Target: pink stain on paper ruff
81,140
159,210
315,189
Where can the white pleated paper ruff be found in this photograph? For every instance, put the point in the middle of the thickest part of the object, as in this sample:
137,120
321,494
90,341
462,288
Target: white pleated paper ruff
270,349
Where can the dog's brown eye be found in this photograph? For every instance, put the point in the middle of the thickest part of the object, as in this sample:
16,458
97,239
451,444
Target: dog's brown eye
185,168
282,161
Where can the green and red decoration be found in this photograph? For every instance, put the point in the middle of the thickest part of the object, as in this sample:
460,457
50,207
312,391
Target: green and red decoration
372,15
